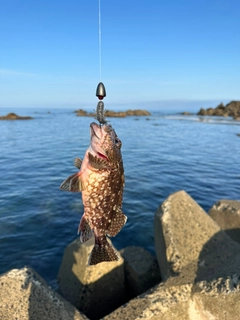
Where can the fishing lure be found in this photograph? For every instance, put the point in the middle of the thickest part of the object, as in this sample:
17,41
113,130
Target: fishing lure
100,113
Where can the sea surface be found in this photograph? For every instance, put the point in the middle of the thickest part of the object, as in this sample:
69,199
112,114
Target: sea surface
162,153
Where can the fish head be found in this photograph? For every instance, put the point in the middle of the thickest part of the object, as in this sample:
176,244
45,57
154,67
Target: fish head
105,143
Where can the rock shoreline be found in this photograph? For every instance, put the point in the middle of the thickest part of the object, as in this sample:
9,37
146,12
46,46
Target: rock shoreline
196,274
114,114
232,109
14,116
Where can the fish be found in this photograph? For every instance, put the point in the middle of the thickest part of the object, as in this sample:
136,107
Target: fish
101,180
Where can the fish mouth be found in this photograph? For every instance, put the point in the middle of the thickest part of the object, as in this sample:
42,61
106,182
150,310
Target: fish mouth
94,134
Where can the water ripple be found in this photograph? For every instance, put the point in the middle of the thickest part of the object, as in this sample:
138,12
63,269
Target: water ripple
161,156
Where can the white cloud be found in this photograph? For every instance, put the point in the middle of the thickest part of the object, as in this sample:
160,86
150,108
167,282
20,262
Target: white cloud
7,72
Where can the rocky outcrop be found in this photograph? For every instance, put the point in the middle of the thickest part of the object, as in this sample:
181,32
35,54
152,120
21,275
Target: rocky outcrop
114,114
24,295
14,116
227,215
141,270
186,113
95,290
199,263
232,109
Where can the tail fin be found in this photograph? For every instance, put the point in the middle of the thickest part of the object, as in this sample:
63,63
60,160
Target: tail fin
103,251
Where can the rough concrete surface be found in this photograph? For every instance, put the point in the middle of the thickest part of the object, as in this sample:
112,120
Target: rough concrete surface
141,270
95,290
201,267
24,295
181,228
226,213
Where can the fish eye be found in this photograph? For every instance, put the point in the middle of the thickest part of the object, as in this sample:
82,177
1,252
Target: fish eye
118,142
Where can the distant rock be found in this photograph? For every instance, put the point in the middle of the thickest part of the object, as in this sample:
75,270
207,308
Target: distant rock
14,116
114,114
232,109
81,113
138,112
185,113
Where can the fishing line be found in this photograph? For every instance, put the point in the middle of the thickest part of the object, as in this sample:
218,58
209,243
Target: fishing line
99,39
101,91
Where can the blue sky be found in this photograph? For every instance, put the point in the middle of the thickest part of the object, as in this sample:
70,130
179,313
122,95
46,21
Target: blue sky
154,52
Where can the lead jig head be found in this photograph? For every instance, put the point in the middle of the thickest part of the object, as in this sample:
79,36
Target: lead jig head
101,91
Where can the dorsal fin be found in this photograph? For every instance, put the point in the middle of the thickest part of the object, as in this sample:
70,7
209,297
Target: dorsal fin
78,163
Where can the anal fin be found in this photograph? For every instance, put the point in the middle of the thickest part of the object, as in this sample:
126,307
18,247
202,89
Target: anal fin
84,228
117,222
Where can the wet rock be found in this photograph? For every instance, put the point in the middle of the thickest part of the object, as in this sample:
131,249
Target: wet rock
24,295
95,290
141,270
14,116
227,215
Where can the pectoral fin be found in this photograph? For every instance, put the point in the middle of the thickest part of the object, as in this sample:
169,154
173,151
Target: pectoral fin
117,222
98,163
78,163
73,183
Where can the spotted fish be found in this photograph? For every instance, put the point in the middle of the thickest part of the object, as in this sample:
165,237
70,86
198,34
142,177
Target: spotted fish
101,181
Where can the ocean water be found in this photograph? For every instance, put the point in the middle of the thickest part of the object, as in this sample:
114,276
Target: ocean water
162,154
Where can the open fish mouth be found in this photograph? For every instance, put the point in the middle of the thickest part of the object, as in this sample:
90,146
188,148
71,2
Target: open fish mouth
93,132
